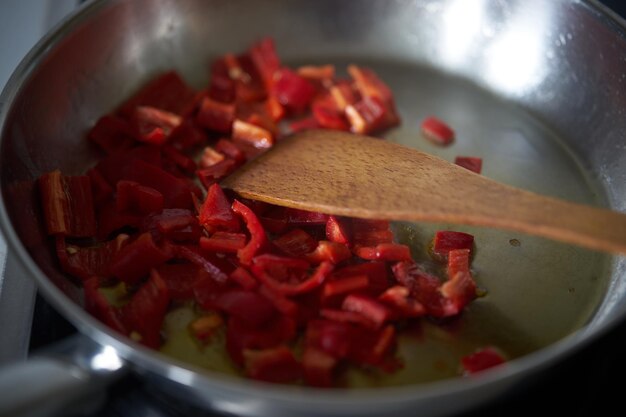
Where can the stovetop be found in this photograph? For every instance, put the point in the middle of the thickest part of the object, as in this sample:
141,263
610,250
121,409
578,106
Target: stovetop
589,383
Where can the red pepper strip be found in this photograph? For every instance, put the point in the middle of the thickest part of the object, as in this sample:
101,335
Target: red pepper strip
216,116
372,87
223,242
176,192
482,359
366,115
332,337
185,163
187,135
136,198
167,92
248,306
241,336
97,305
472,163
89,262
386,339
277,365
384,251
446,240
368,307
318,367
146,310
295,243
317,72
221,86
194,257
152,125
210,157
112,134
338,230
210,175
258,238
343,95
297,217
67,204
346,285
460,288
344,316
251,134
437,131
329,118
180,279
136,259
274,109
313,281
329,251
281,303
244,278
399,299
216,211
249,87
266,60
376,271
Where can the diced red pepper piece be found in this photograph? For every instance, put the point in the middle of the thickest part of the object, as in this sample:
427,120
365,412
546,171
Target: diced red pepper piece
338,230
482,359
329,251
266,61
343,95
318,367
88,262
447,240
329,118
317,72
274,109
204,327
371,232
136,198
167,92
210,157
376,271
100,188
460,288
384,251
112,134
221,86
180,279
472,163
115,167
297,217
248,306
400,300
296,243
258,238
368,307
135,260
346,285
241,336
306,123
372,348
97,305
372,87
152,125
251,134
244,278
215,272
110,220
178,225
330,336
146,310
180,160
176,191
215,115
250,86
187,135
206,290
277,365
292,91
366,115
231,150
224,242
67,204
280,302
349,317
299,284
209,176
437,131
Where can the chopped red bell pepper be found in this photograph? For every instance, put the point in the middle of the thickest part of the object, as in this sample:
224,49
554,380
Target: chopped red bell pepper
251,134
244,278
343,95
266,61
216,116
317,72
215,272
223,242
346,285
297,217
296,243
329,118
178,159
180,279
135,260
112,134
376,271
318,367
306,123
152,125
240,335
210,157
144,313
447,240
249,306
399,299
472,163
231,150
298,284
277,365
349,317
209,176
332,337
384,251
138,199
292,91
437,131
216,211
332,252
258,238
338,230
91,261
482,359
366,115
97,305
100,188
67,204
187,135
221,85
280,302
368,307
176,191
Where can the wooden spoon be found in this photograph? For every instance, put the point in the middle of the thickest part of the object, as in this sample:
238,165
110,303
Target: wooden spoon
351,175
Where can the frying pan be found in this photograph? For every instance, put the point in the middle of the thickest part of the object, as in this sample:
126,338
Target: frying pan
534,87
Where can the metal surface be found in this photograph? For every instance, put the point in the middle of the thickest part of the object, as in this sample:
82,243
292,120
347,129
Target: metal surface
559,65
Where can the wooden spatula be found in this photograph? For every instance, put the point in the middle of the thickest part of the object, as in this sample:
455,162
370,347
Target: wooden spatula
358,176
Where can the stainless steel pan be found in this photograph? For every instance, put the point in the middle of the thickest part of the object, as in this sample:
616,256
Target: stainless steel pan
534,87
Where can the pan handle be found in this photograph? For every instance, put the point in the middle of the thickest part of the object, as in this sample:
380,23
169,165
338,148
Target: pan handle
67,378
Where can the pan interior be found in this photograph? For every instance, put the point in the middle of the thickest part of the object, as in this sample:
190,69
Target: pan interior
536,291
